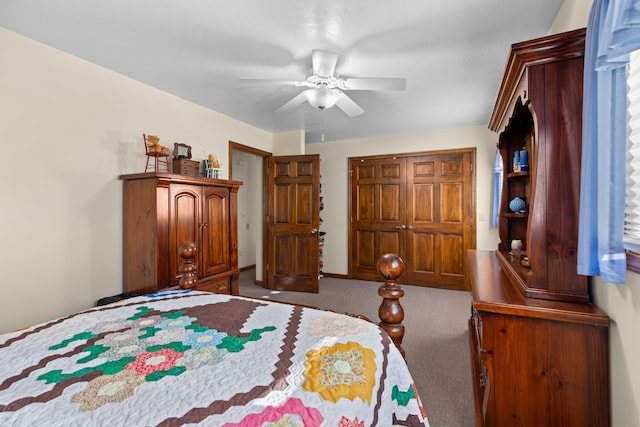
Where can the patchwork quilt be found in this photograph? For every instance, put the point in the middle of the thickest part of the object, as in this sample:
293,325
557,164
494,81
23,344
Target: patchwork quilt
189,357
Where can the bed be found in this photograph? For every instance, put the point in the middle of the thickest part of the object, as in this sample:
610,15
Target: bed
186,357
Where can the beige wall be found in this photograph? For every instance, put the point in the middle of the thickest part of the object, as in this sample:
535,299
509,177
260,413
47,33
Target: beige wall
288,143
620,302
68,130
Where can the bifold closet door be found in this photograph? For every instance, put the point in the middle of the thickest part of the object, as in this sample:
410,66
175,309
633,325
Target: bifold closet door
419,206
378,213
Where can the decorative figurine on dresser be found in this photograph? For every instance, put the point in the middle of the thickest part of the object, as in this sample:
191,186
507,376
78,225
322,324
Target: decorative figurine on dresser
539,347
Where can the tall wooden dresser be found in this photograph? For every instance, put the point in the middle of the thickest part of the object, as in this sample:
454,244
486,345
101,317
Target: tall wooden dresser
539,347
163,210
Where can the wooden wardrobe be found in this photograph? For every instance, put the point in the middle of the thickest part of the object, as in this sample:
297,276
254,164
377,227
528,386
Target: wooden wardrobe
539,347
163,210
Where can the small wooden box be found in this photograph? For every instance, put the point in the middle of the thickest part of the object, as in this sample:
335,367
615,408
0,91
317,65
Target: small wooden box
186,167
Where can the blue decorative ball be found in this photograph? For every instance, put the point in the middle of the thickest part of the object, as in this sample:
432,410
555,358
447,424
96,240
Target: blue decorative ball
517,204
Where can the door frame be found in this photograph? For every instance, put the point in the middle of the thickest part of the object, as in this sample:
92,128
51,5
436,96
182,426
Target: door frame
265,187
473,212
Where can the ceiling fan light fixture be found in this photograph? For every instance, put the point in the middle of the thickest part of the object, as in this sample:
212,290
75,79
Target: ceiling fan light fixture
322,97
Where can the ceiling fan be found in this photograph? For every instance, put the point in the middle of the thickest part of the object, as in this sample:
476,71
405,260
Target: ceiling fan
326,89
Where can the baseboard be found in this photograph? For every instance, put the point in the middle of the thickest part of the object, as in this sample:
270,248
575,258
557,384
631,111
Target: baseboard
332,275
259,283
336,276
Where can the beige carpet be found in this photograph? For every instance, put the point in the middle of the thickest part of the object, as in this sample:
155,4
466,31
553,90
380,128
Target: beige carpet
435,342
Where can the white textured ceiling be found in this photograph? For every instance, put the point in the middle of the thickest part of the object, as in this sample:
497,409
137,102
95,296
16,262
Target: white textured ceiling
452,53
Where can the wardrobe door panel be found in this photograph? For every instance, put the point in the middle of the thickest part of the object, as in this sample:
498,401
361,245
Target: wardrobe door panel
184,223
215,231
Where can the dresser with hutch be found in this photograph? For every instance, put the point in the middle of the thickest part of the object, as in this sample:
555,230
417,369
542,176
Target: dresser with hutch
539,347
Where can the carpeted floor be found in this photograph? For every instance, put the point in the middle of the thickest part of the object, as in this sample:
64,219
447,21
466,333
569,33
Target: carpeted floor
436,337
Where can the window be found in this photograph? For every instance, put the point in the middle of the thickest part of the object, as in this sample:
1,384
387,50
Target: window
631,236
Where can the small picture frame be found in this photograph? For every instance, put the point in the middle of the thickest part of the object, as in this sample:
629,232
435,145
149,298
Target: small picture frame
181,151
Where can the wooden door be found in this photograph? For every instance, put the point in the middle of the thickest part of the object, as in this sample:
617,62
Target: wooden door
293,219
214,249
440,216
378,208
184,223
419,206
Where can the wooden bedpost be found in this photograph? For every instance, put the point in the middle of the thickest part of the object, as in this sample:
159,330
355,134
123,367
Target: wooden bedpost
188,268
391,267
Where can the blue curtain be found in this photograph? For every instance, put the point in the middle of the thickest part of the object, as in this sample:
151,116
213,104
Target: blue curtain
613,32
497,189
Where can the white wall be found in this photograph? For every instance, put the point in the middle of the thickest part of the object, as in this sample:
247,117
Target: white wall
620,302
247,168
68,130
335,180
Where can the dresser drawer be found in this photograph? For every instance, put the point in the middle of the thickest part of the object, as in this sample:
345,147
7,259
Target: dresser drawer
186,167
218,286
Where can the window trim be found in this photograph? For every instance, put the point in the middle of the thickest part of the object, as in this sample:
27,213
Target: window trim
633,261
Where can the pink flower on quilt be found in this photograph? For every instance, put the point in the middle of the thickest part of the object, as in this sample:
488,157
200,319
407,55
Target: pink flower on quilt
291,413
346,422
331,325
148,363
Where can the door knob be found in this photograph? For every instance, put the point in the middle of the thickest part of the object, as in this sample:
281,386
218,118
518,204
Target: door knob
314,230
400,227
410,227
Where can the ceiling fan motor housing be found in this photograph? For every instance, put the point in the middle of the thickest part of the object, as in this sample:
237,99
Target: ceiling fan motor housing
322,96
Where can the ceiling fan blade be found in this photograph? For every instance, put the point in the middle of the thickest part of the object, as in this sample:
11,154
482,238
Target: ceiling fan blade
347,105
298,100
324,63
390,83
251,80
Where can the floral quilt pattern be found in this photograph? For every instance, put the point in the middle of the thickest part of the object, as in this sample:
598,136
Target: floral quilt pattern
178,358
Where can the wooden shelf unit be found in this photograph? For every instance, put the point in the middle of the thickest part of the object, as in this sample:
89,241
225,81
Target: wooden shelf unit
539,348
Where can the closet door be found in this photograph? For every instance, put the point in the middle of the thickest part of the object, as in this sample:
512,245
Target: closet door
378,209
439,219
420,206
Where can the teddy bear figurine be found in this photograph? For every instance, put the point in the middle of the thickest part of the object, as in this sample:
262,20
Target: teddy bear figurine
213,162
153,145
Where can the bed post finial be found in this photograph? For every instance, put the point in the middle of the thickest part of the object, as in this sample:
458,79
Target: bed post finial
189,268
391,313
